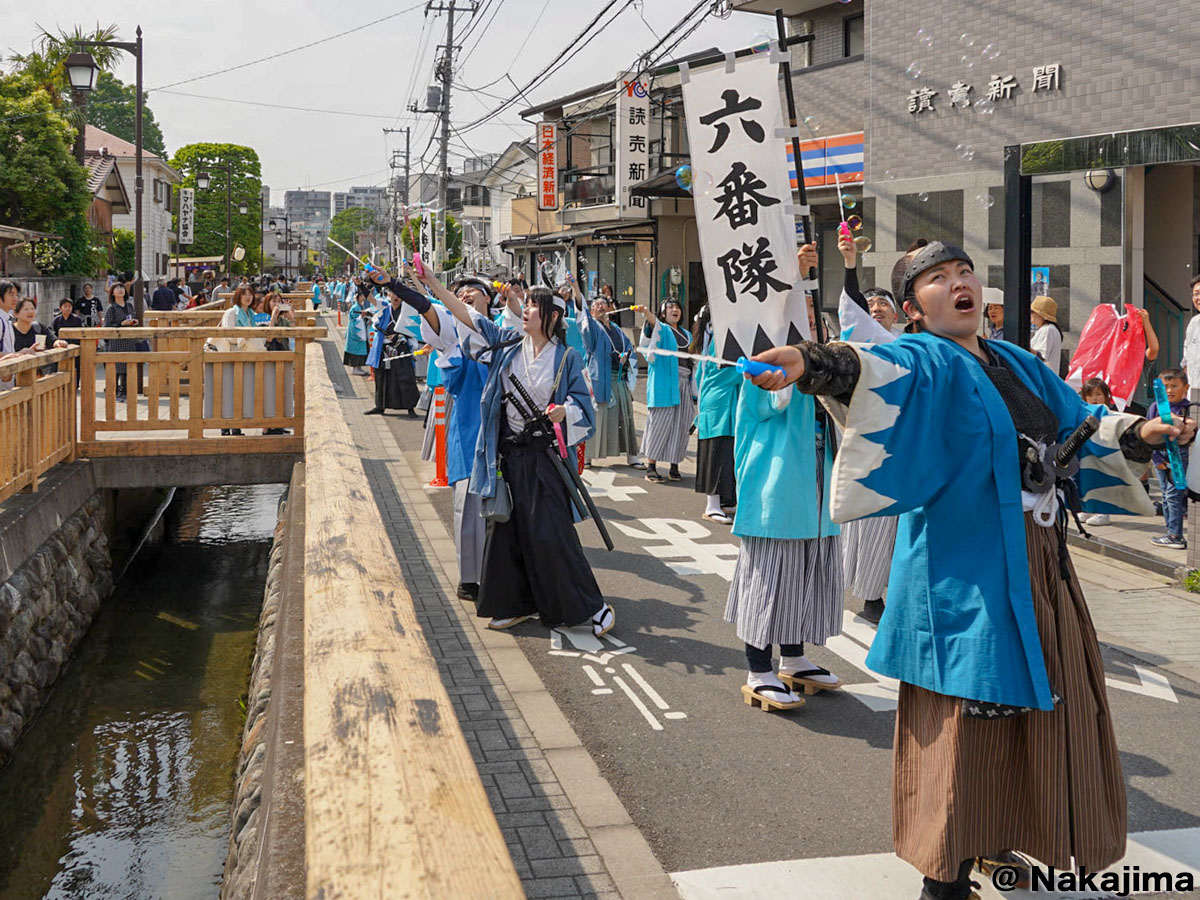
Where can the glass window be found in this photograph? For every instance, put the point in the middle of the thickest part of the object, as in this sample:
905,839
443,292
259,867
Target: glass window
625,286
1110,283
608,267
852,29
939,217
1052,214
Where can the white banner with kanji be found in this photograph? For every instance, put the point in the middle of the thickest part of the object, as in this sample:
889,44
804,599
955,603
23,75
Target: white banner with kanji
427,239
633,144
187,215
743,202
547,142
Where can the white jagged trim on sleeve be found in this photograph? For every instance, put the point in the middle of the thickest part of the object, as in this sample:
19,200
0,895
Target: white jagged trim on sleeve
859,456
858,326
575,423
445,341
1129,495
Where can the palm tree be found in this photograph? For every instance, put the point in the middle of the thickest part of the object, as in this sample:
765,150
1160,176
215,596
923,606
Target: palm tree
46,62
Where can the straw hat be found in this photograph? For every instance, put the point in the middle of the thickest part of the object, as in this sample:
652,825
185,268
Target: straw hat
1046,308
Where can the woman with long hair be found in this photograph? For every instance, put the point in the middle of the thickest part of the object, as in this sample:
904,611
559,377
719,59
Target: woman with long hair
533,563
612,368
1004,740
119,314
719,389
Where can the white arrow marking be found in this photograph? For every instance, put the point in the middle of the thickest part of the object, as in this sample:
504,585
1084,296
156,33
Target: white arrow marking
1152,685
637,701
602,483
654,695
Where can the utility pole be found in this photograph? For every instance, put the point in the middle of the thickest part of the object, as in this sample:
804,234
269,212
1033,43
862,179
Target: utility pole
396,253
446,74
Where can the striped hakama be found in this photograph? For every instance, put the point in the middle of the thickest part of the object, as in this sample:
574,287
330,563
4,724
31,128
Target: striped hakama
867,546
1048,784
786,591
666,436
615,434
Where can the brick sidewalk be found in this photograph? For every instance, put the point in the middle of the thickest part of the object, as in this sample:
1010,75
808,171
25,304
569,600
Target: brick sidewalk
550,846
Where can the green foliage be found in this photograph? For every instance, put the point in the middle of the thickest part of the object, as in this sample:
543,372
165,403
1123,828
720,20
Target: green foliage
408,239
123,249
112,107
1192,581
343,228
45,63
245,187
83,253
40,182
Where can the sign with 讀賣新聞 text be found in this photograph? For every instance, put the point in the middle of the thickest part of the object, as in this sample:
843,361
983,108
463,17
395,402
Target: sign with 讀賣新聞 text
633,144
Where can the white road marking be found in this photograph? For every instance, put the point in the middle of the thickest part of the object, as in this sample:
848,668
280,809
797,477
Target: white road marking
563,653
555,639
654,696
884,876
602,483
602,690
580,637
675,715
680,537
594,676
880,694
614,641
1152,685
637,701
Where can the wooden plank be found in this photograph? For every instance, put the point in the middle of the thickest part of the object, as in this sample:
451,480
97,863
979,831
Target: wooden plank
298,384
11,367
247,444
280,378
142,333
87,390
218,400
259,389
239,390
110,392
196,390
131,392
394,803
153,390
173,381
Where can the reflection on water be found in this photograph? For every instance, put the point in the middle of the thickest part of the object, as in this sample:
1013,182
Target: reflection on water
121,789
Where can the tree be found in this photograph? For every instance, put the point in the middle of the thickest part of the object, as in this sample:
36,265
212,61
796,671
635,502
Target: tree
246,187
40,181
344,228
123,247
112,107
46,63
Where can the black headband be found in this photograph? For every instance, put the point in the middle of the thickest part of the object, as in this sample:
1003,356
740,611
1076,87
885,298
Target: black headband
929,256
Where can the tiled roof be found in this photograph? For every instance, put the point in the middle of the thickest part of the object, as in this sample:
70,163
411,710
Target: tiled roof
94,139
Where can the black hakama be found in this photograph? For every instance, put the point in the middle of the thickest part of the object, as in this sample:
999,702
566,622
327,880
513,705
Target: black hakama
533,564
396,381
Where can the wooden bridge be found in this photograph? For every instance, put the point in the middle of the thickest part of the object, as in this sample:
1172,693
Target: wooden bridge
392,805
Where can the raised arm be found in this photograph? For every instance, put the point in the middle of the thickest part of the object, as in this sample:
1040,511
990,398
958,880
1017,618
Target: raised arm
1151,336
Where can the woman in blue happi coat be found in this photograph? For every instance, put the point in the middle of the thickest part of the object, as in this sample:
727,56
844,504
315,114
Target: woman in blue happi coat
718,389
612,369
357,327
1004,740
533,563
670,406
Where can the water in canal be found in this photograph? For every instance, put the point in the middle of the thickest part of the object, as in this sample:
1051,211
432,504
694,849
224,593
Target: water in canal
122,787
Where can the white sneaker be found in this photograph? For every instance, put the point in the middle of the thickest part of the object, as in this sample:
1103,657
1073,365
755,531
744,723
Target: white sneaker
1097,519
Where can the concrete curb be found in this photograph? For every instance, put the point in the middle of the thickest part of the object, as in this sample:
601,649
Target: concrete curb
626,854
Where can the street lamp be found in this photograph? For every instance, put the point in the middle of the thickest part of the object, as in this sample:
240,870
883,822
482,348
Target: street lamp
286,235
84,81
203,180
243,208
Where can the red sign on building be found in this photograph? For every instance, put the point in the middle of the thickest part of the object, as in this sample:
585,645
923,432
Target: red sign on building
547,142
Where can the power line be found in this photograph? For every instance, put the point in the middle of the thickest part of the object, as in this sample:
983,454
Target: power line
331,112
255,62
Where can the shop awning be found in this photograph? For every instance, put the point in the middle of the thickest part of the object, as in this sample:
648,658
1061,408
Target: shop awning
661,185
621,231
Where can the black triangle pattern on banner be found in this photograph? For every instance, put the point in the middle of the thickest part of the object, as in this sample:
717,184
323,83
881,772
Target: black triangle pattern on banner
761,341
732,350
794,336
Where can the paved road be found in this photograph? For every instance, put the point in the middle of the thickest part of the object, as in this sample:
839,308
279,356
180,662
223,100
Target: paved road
714,783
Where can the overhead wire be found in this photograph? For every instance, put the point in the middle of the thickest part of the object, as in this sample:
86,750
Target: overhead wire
331,112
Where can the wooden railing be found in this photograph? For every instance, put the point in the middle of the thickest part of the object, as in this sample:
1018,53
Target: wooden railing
256,389
394,803
37,418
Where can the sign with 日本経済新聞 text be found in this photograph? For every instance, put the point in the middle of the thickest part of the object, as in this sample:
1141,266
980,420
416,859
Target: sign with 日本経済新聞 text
187,215
427,241
547,143
633,144
744,210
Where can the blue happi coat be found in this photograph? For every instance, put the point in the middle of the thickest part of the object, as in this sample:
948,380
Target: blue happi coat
719,390
927,436
599,344
662,372
570,386
356,330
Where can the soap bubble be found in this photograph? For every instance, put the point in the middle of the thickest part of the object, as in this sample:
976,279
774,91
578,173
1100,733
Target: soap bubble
991,52
849,201
583,258
761,43
967,60
986,200
923,196
966,39
965,152
889,175
702,180
683,177
854,223
845,2
862,243
985,107
913,71
925,37
811,123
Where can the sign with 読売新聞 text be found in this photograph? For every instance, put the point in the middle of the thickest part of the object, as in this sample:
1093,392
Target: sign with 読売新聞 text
633,143
187,215
746,219
427,241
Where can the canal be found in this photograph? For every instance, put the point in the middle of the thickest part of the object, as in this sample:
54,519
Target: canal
122,786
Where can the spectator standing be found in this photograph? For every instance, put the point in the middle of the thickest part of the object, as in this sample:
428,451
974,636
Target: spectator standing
163,299
1046,342
66,318
1174,499
120,315
89,308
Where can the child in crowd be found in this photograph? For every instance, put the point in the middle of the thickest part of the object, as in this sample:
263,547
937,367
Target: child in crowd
1174,499
1096,391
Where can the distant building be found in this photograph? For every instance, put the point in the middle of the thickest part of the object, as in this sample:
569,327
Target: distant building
307,206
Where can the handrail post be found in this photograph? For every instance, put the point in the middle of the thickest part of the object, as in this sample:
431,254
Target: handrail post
196,387
87,389
28,379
